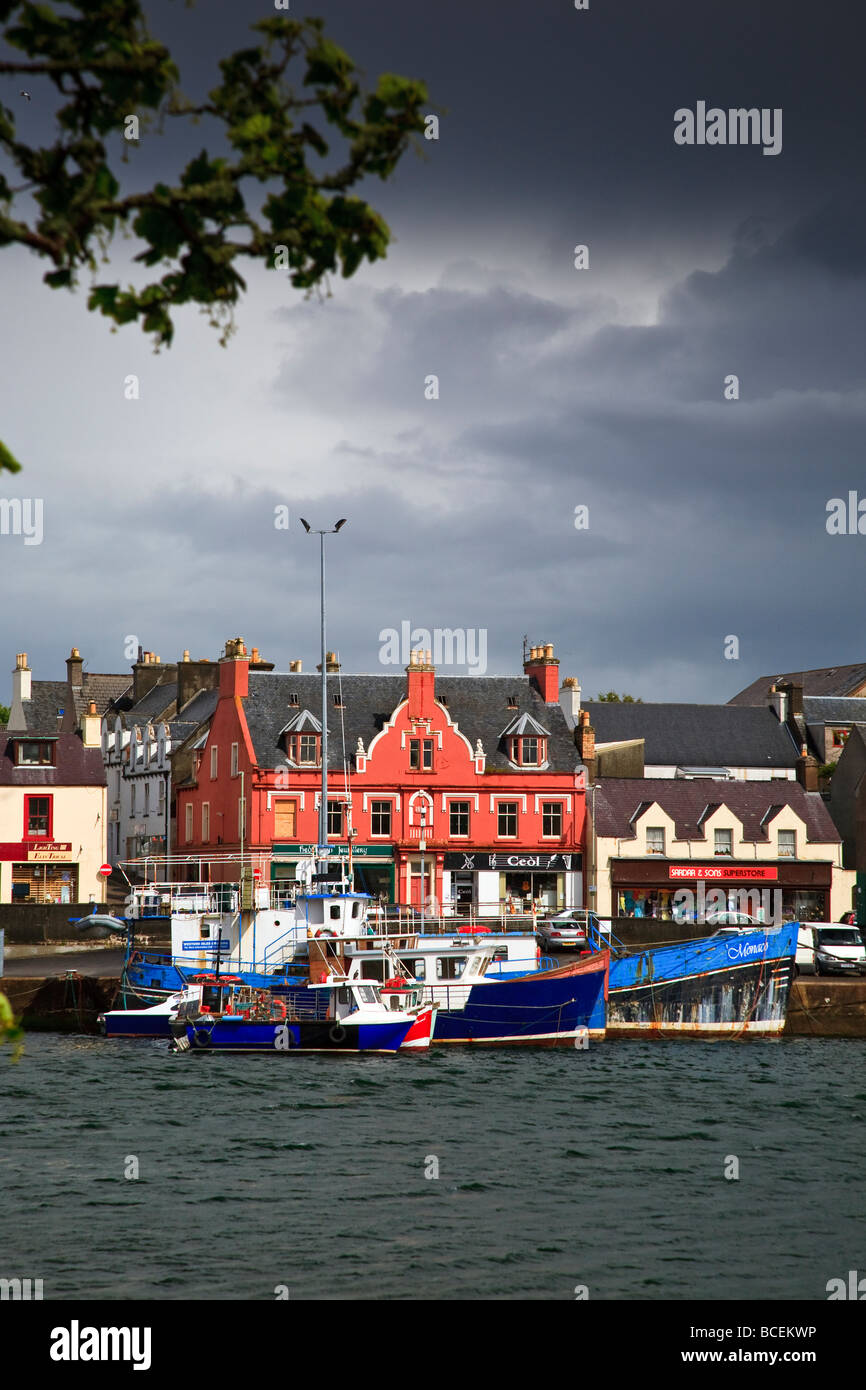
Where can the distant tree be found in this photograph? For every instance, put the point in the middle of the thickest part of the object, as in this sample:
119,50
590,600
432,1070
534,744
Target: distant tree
612,698
4,714
114,79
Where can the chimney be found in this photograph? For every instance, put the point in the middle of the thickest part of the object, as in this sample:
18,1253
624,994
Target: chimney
542,668
148,672
74,667
295,667
22,690
256,663
195,676
421,679
332,665
807,770
91,727
794,692
569,699
778,702
234,669
584,737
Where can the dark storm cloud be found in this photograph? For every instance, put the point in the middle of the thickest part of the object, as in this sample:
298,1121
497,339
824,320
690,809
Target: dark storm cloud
558,388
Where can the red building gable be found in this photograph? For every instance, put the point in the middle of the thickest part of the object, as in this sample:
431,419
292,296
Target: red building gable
482,770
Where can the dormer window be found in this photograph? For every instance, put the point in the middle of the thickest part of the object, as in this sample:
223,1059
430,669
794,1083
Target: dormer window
293,700
526,742
338,701
512,702
304,749
302,739
528,750
724,841
34,753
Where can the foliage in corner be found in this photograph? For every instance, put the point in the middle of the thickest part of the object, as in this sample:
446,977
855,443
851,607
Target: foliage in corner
10,1028
272,184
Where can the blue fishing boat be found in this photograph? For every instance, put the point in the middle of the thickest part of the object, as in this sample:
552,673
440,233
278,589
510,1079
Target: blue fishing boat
733,984
544,1008
337,1015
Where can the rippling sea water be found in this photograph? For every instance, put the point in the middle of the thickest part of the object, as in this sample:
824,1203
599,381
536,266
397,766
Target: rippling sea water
556,1168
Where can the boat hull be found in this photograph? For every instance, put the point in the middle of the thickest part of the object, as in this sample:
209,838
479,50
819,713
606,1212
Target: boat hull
551,1008
715,987
243,1035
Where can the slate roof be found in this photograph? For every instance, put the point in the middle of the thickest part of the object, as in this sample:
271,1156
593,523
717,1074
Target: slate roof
47,697
828,710
822,680
75,766
197,710
697,735
618,799
100,687
477,704
152,706
40,711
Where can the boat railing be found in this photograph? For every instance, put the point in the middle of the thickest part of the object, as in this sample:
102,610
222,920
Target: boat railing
447,920
274,950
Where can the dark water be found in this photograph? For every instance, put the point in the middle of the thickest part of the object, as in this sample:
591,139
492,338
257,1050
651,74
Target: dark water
602,1168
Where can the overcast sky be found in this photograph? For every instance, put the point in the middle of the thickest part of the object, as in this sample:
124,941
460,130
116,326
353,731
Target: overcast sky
559,387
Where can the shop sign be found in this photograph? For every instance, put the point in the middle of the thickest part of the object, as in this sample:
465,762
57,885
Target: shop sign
333,851
49,853
752,873
473,860
36,850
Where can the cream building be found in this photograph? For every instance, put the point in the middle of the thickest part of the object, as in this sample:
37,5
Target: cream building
654,836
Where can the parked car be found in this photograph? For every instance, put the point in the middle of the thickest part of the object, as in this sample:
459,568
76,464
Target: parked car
733,922
564,931
828,948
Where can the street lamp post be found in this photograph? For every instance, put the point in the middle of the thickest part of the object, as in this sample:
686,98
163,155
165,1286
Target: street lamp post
422,811
322,848
593,887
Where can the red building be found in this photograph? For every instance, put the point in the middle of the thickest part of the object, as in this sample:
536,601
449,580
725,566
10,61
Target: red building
484,771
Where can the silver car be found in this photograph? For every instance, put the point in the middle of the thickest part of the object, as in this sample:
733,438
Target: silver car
565,931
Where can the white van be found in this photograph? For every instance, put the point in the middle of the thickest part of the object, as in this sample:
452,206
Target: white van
829,948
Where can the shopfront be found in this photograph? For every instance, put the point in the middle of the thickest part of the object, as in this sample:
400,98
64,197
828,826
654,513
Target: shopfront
42,871
490,879
771,891
372,866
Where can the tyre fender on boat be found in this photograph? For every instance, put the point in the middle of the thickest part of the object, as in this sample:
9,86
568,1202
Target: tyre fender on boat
202,1037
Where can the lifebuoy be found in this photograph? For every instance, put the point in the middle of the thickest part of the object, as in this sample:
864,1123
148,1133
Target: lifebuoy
280,1016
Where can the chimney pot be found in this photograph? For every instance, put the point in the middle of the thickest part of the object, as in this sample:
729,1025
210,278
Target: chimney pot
186,654
21,661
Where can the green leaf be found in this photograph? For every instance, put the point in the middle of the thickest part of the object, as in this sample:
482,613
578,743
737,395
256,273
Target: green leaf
7,462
